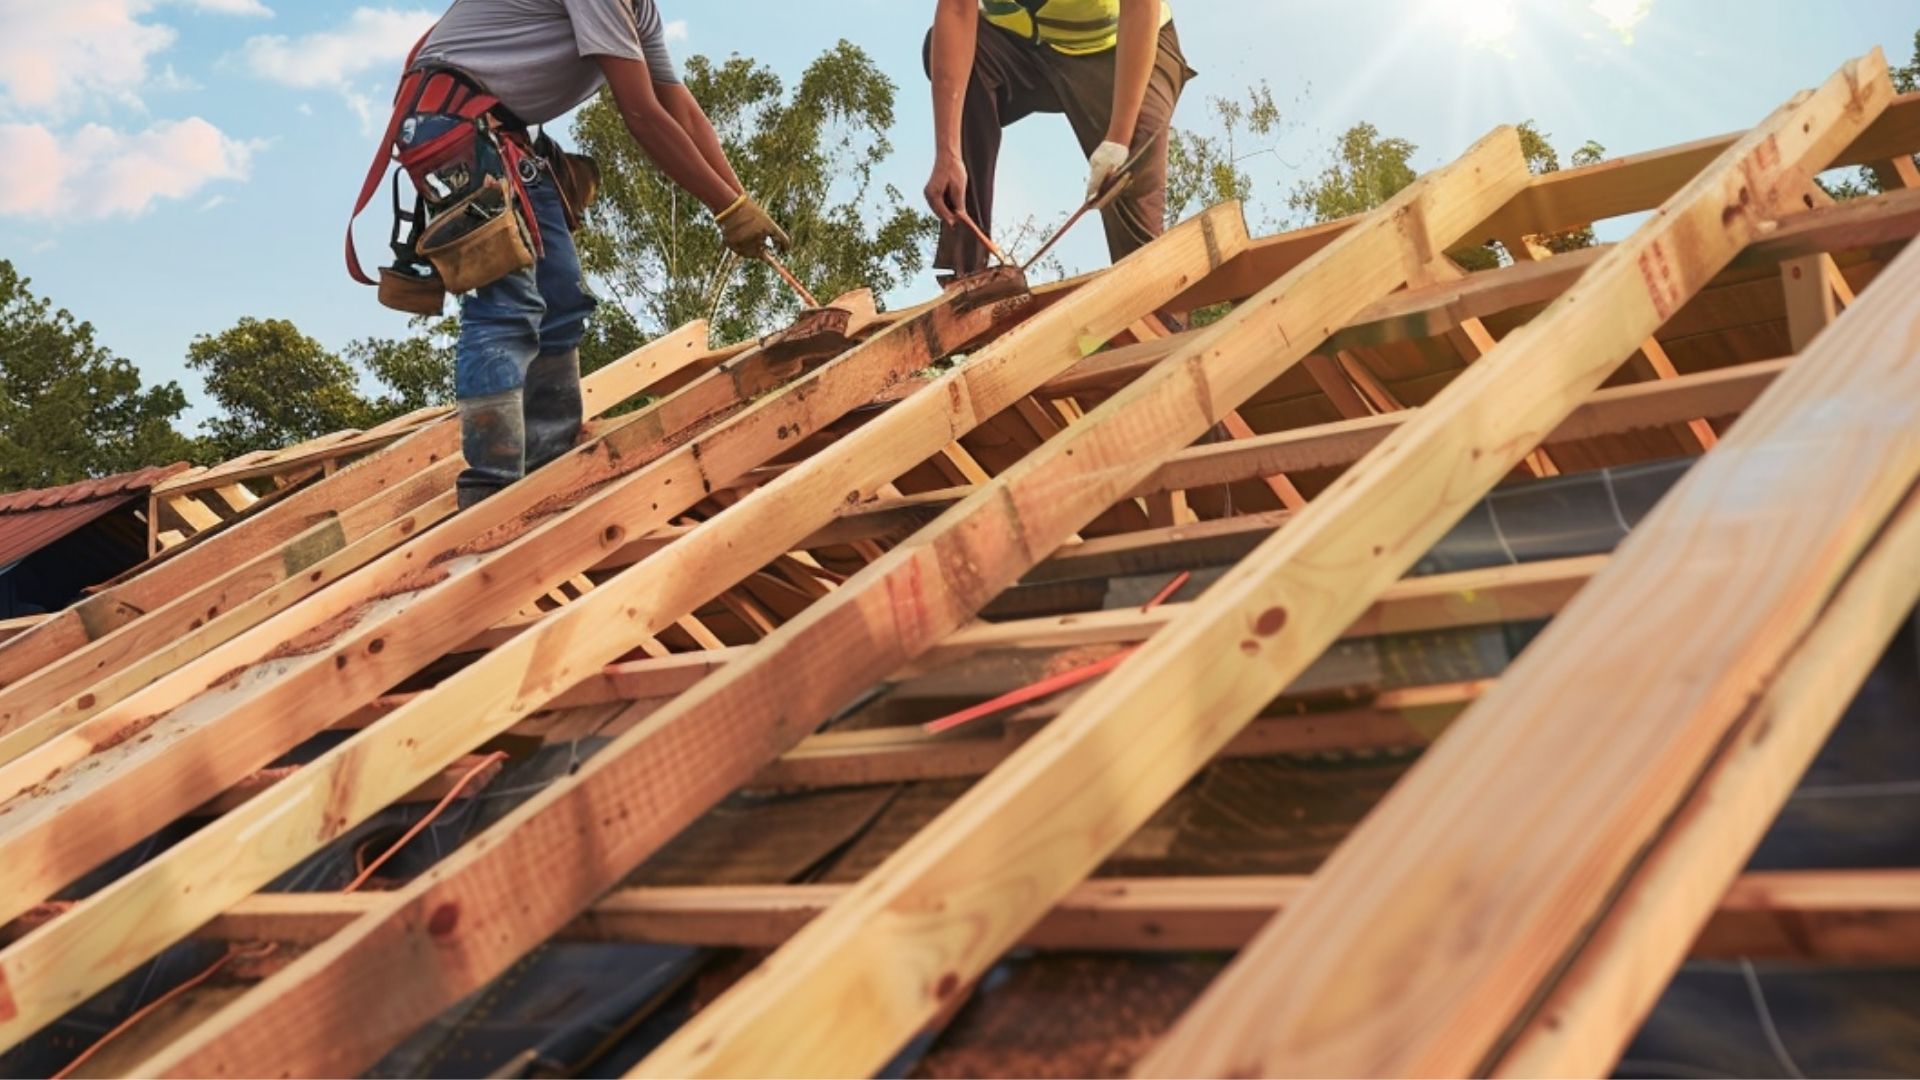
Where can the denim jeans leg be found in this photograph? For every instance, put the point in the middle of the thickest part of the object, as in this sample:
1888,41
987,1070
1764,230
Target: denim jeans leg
553,405
499,338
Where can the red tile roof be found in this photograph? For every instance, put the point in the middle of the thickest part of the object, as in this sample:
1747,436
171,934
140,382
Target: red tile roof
30,520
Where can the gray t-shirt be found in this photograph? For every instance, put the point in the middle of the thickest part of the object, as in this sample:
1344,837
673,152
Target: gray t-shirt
536,56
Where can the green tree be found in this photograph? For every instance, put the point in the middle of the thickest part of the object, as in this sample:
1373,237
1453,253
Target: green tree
809,156
1208,169
273,386
1366,170
417,371
69,408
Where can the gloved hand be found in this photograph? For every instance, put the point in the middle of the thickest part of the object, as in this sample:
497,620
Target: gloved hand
1101,167
747,229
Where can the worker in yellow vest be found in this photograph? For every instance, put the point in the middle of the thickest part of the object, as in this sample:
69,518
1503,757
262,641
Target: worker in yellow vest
1114,67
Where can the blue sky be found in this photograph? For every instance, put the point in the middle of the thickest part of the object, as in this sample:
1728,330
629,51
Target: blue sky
168,166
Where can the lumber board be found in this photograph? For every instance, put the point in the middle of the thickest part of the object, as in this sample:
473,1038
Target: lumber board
107,669
246,720
1558,201
759,1027
79,727
1420,989
378,764
1835,916
160,582
1625,962
1394,719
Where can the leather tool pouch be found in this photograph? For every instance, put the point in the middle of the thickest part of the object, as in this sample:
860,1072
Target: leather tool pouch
471,183
479,239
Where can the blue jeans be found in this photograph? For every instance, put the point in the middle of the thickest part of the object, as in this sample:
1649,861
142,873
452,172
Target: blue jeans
515,371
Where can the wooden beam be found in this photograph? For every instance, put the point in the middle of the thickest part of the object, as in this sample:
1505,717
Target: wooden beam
571,644
247,719
1396,918
1812,304
1393,720
73,705
159,582
1558,201
958,563
1833,916
732,742
1622,965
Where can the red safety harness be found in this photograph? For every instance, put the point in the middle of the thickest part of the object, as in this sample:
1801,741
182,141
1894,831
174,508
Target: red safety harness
447,92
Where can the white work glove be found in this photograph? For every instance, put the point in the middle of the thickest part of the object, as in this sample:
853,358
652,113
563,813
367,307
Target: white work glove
1102,165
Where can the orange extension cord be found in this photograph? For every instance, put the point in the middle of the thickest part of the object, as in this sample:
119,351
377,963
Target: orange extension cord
1052,684
234,951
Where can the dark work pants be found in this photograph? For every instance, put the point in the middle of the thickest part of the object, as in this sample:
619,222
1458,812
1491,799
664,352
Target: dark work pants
1013,78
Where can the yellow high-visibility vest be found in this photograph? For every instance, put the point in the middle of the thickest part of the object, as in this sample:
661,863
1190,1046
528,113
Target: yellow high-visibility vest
1074,27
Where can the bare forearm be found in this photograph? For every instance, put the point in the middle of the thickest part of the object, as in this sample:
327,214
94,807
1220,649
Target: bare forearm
693,120
956,29
1133,66
668,145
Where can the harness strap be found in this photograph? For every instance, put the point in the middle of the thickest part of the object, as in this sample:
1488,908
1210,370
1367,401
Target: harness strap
422,91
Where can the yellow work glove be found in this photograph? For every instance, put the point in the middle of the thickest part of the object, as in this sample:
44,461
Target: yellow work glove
747,229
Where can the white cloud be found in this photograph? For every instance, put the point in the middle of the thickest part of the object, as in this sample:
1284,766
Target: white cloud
97,172
1622,16
250,8
676,30
371,38
56,56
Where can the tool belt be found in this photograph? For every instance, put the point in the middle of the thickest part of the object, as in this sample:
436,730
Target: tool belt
472,221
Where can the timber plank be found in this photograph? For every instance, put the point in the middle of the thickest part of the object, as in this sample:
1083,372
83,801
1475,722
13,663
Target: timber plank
1624,964
957,564
1437,1001
260,711
382,950
159,582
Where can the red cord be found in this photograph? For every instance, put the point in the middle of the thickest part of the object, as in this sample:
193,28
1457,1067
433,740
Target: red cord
420,826
1048,686
232,951
1166,594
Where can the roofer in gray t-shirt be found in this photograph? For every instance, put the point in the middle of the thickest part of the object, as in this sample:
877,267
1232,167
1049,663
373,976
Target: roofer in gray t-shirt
517,360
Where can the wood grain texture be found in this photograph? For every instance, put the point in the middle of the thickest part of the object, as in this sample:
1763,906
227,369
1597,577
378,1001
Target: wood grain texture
1431,929
453,928
1621,967
241,724
864,961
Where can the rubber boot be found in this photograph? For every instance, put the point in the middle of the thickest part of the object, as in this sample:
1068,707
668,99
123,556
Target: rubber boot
553,406
493,438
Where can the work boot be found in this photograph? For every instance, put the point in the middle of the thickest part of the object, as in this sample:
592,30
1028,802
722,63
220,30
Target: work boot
553,407
493,438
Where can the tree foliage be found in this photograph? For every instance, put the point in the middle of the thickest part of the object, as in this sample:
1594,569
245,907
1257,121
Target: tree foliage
1366,169
1207,169
272,386
69,408
809,156
416,371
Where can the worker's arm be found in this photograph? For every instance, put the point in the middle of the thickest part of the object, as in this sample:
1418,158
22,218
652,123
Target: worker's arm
692,119
660,135
1133,68
956,29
